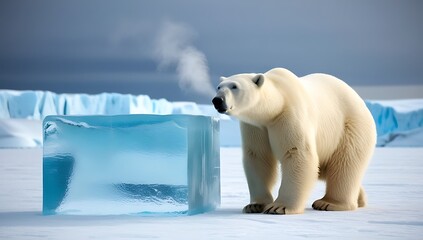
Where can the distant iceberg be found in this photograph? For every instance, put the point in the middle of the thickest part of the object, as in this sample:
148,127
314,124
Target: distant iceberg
399,122
39,104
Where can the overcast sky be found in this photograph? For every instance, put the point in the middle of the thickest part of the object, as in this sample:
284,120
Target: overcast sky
97,46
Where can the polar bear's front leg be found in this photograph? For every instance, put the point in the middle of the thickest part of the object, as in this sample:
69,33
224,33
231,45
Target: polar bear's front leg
260,167
299,174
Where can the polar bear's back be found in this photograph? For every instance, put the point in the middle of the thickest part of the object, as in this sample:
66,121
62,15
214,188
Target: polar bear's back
322,89
331,91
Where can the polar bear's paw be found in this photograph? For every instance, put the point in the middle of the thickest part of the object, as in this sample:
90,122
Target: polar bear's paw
324,205
254,208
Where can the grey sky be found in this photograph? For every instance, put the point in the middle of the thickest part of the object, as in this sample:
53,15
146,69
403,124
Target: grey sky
96,46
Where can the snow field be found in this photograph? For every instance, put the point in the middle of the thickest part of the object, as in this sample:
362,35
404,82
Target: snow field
393,184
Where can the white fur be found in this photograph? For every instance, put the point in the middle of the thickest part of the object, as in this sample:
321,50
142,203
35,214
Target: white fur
315,126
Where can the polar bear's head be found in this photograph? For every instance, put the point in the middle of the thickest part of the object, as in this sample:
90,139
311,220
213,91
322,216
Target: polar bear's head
237,93
244,96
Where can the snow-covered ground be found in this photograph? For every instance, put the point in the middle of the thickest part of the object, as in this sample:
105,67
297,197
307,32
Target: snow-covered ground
393,182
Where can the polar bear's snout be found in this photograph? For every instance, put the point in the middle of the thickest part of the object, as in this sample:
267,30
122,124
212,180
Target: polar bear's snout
220,104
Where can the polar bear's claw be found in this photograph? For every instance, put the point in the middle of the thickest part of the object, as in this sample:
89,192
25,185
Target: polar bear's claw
320,206
324,205
275,209
254,208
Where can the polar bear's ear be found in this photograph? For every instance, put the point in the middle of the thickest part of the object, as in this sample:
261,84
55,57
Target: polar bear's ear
258,79
222,79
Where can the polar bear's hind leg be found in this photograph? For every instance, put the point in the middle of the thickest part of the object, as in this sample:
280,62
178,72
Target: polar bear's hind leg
344,172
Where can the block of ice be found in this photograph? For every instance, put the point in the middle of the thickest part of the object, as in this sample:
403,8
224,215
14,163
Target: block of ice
131,164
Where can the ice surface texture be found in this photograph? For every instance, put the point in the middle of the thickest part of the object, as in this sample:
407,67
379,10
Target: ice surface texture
131,164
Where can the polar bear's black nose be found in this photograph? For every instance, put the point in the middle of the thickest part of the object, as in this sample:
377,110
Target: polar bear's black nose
218,101
219,104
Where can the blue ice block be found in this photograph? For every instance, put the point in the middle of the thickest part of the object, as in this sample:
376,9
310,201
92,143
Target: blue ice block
131,164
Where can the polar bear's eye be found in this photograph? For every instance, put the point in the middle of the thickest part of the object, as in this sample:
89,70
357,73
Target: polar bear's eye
234,87
218,88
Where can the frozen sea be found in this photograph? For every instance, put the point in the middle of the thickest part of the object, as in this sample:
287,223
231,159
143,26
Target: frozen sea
393,182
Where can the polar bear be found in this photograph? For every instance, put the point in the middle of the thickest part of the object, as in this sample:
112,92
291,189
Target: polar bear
315,127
